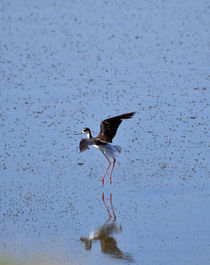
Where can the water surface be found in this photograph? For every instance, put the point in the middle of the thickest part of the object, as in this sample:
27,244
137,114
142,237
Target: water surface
68,65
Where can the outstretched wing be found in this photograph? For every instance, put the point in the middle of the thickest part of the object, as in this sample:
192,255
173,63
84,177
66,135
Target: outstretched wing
83,146
108,127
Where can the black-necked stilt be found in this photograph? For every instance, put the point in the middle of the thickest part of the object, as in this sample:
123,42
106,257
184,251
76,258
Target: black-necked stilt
108,129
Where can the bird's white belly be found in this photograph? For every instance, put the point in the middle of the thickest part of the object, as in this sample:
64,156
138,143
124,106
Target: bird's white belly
109,149
101,148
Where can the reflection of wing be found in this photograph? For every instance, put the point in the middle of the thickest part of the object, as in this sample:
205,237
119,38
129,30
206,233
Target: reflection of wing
109,246
108,127
83,145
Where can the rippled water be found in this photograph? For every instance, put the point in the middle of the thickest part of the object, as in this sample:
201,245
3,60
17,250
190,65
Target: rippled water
68,65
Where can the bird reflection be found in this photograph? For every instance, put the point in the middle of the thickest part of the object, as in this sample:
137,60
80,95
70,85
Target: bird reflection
105,235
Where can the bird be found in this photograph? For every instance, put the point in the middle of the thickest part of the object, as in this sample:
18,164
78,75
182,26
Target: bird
108,130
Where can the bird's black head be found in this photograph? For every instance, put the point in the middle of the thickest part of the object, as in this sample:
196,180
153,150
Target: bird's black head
85,130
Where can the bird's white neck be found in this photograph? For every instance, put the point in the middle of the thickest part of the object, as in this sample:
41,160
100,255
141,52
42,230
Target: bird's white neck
88,135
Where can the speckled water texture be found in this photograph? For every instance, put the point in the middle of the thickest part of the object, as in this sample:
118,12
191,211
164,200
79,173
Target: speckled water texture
65,65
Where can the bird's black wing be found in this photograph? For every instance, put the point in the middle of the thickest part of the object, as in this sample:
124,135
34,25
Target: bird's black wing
108,127
83,146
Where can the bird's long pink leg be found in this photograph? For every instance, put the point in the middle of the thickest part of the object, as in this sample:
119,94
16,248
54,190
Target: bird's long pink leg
110,177
106,169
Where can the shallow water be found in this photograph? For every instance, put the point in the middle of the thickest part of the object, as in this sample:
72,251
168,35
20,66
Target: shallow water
68,66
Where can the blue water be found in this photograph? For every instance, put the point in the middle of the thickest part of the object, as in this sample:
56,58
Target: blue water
71,64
